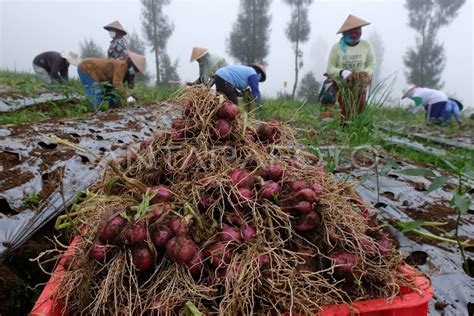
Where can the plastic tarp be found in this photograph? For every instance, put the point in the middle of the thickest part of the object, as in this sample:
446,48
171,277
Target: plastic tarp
415,145
31,163
463,138
462,141
12,104
444,266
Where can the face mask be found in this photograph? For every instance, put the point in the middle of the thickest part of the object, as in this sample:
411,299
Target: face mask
355,34
112,34
132,71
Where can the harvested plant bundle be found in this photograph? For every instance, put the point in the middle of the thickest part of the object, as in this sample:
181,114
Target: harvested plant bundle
230,214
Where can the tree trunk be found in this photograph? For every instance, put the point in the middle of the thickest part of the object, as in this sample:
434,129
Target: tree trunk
155,44
157,62
423,51
297,50
254,40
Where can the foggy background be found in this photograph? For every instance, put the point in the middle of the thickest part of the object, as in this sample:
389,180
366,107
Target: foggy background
28,28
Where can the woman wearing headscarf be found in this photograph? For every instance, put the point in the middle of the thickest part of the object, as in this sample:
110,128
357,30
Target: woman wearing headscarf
118,47
233,80
208,64
100,76
351,63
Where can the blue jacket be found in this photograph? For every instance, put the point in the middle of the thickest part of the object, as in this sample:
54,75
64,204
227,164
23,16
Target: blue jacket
241,77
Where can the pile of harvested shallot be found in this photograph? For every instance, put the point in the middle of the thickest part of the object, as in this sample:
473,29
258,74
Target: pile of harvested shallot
228,215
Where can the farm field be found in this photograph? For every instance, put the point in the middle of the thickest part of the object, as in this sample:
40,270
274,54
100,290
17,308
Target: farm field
418,180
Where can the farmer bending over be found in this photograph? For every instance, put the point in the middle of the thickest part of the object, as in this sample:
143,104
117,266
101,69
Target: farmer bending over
233,80
99,77
53,67
351,63
208,65
438,107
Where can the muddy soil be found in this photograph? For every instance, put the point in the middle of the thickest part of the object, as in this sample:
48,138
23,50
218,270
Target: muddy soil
10,159
21,281
46,152
14,178
437,213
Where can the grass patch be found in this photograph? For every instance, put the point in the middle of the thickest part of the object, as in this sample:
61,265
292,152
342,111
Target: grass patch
457,156
27,85
316,132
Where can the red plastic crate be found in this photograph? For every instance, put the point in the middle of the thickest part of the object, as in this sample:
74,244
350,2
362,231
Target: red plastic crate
409,303
47,305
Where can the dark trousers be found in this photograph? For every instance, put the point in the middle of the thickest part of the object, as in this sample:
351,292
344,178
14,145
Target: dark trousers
111,96
436,111
226,88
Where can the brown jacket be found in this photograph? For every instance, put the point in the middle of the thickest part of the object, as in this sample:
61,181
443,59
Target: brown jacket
106,70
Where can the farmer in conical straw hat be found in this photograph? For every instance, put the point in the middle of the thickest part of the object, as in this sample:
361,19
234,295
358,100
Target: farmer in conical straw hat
95,73
208,64
351,63
118,47
232,80
438,107
53,66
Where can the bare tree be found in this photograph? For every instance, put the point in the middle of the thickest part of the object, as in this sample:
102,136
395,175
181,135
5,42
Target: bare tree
427,60
297,32
157,29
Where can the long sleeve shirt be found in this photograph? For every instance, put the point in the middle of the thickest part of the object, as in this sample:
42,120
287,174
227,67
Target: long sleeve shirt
434,101
56,66
360,57
107,70
208,65
241,77
117,49
426,96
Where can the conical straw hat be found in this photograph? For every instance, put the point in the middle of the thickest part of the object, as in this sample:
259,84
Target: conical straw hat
71,57
261,68
197,53
351,23
138,60
408,90
115,26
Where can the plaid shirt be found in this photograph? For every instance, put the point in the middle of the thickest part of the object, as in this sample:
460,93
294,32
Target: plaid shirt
118,49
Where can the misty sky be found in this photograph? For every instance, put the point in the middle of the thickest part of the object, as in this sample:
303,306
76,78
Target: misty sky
28,28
